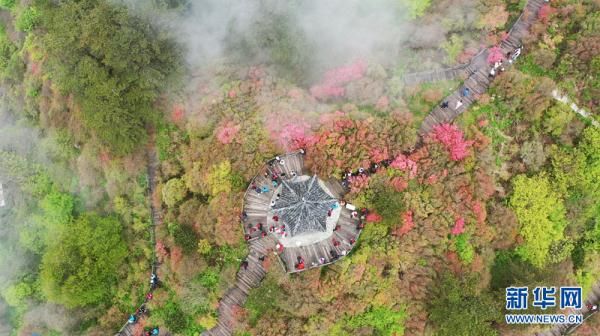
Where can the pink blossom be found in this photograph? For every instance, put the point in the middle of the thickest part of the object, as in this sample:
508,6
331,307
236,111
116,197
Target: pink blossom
453,140
459,226
227,132
382,103
295,135
333,81
403,163
329,118
232,93
495,55
177,113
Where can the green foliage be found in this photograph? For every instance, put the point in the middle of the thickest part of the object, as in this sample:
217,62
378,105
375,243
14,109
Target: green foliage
456,301
541,215
464,248
219,178
173,192
185,237
28,19
8,4
556,118
173,316
210,278
263,300
7,50
116,66
204,247
453,47
416,8
80,264
16,294
383,320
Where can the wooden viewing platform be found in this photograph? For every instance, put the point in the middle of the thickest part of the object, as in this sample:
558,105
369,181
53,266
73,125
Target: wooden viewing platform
257,207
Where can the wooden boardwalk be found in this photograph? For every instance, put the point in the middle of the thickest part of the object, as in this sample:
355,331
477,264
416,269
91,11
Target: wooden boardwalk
478,80
156,215
246,280
566,329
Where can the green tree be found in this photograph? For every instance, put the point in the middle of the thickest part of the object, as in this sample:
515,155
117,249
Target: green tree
383,320
541,215
27,19
456,301
173,192
116,66
79,267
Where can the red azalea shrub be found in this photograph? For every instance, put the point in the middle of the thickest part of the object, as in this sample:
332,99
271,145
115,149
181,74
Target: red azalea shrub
373,217
227,132
453,140
294,136
407,222
545,12
333,82
399,183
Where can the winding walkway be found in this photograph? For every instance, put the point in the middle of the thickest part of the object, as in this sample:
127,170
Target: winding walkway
156,215
478,80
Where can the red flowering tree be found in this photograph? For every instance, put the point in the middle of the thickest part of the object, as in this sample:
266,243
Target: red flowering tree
545,12
407,222
452,138
405,164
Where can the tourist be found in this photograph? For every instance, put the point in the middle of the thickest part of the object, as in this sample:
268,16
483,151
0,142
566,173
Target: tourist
246,237
259,226
299,266
444,104
360,226
244,215
272,228
492,73
155,331
334,254
335,206
401,275
337,227
352,241
277,158
149,296
459,103
245,264
263,234
300,259
329,213
354,214
293,173
276,218
335,243
283,228
264,189
466,92
153,280
361,171
302,151
321,260
344,252
262,258
343,203
274,184
132,319
272,203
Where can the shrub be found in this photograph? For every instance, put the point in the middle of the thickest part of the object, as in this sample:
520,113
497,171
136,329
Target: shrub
27,19
186,238
173,192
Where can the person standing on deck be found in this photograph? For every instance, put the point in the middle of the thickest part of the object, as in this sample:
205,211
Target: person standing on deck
459,103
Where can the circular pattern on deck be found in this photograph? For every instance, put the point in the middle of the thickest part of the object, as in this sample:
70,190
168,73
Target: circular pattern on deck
306,217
